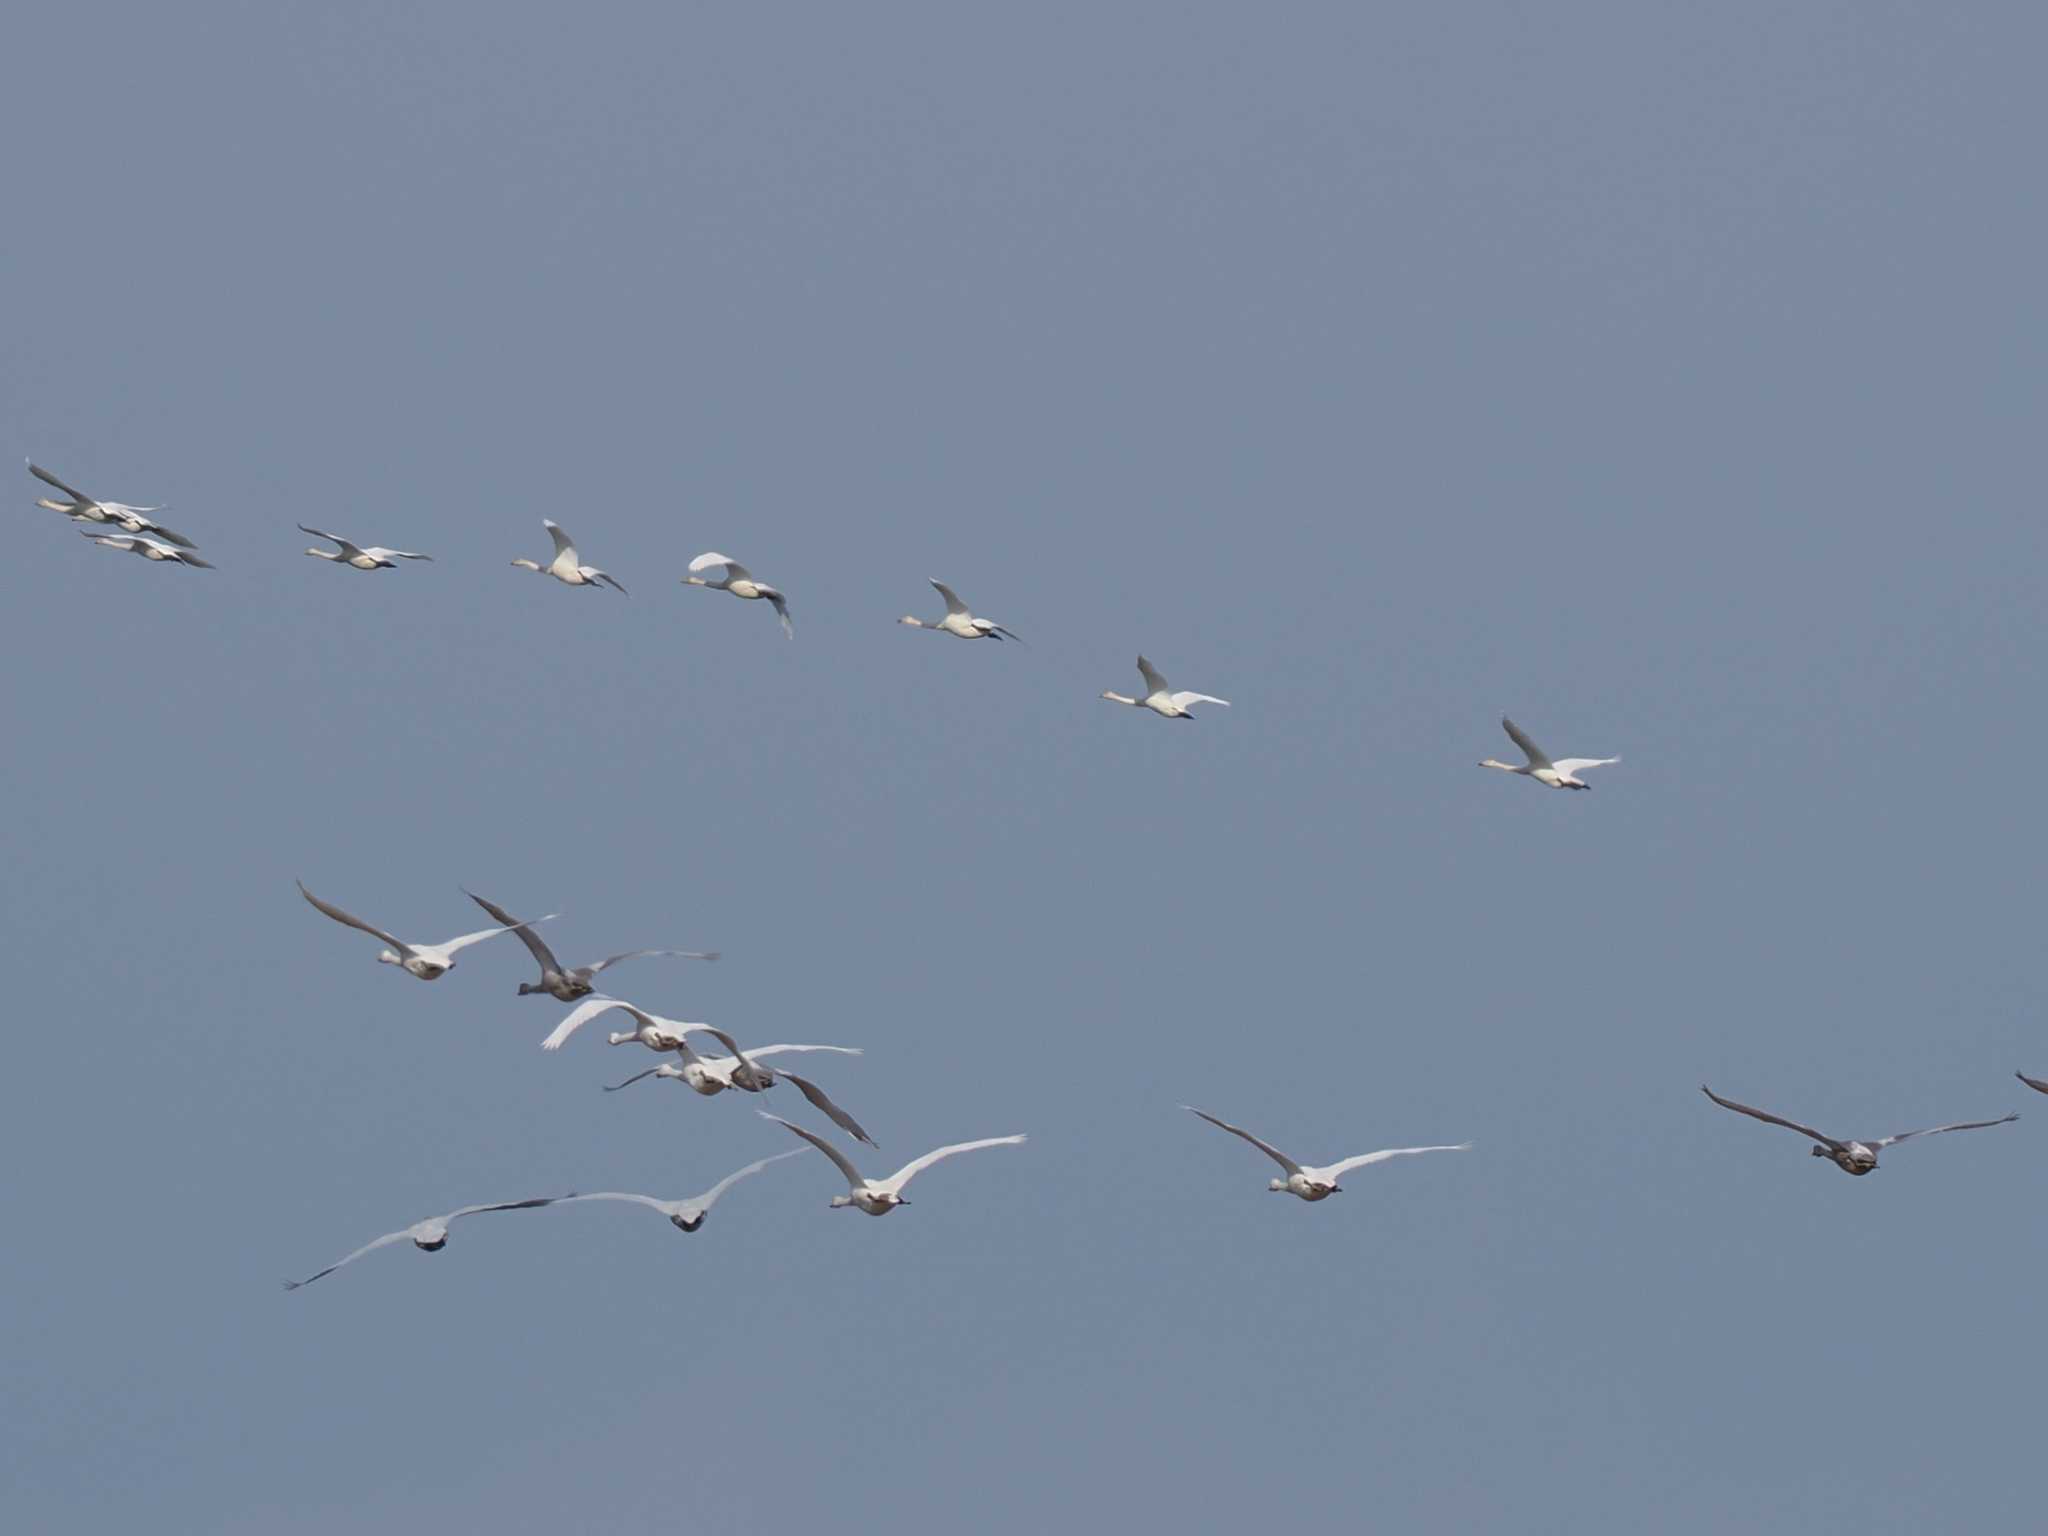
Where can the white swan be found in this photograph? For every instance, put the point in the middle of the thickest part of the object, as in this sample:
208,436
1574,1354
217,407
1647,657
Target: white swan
81,508
688,1214
149,549
878,1197
1857,1157
958,621
651,1030
364,557
710,1075
740,582
567,566
430,1236
1310,1183
429,962
573,983
1561,774
1161,699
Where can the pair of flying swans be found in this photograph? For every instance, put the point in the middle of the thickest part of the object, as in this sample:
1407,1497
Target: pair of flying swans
1856,1157
82,508
1161,699
574,983
429,1236
567,567
878,1197
1312,1183
429,962
363,557
958,621
740,582
1560,774
708,1075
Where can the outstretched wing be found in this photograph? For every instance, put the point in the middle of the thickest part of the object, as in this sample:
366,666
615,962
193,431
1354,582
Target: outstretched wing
910,1170
1577,764
611,581
1770,1119
629,1082
47,478
452,946
333,538
781,605
1366,1160
635,954
509,1205
527,936
563,544
2034,1083
709,1198
371,1247
381,553
1237,1130
1154,683
583,1013
1529,748
352,921
712,557
1183,699
1936,1130
822,1103
953,603
853,1178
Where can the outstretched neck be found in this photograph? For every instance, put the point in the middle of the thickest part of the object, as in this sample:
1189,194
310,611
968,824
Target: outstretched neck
323,554
527,565
1505,767
1120,698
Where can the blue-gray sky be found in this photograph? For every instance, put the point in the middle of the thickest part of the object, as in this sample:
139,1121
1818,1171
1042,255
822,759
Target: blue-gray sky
1667,375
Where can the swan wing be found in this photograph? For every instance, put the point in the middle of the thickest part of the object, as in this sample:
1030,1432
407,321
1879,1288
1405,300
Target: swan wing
1367,1159
629,1082
608,579
352,921
332,538
636,954
781,606
1936,1130
1770,1119
910,1170
527,936
454,946
1154,683
1529,748
79,496
709,1198
563,545
953,603
853,1178
583,1013
1237,1130
370,1247
1183,699
822,1103
712,557
1576,764
771,1050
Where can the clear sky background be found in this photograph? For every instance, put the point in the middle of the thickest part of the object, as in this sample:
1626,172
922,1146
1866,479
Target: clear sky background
1667,375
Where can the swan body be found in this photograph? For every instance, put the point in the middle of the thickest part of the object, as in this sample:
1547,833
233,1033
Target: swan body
688,1215
878,1197
1310,1183
575,982
958,621
149,549
1160,697
1855,1157
1561,774
740,582
82,508
429,1236
428,962
364,557
709,1075
567,567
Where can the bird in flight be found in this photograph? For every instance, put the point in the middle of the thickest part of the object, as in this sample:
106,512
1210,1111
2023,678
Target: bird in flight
1857,1157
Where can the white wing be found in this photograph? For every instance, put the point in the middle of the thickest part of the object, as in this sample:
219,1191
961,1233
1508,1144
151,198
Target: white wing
562,544
379,552
1184,699
371,1247
822,1102
770,1050
712,557
663,1206
635,954
1154,683
583,1013
354,922
1366,1159
452,946
1529,748
1574,764
781,606
910,1170
709,1198
333,538
1237,1130
953,603
853,1179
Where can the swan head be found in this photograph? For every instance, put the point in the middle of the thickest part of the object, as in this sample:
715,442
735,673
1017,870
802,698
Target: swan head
687,1223
1820,1151
1278,1187
616,1038
528,988
389,957
527,565
912,620
840,1202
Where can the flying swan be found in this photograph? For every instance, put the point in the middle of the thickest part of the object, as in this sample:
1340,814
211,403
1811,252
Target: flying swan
958,621
740,582
364,557
567,566
429,1236
1162,700
1857,1157
1562,774
1311,1183
81,508
429,962
569,985
878,1197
